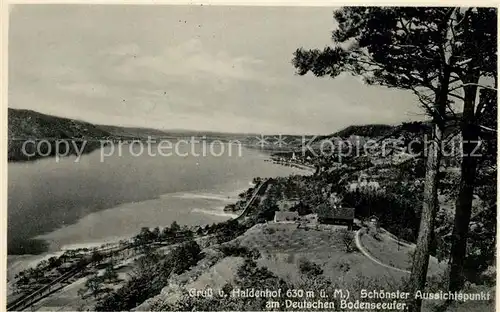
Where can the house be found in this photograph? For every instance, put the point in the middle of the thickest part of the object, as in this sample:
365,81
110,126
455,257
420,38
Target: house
363,184
286,216
374,221
338,216
335,200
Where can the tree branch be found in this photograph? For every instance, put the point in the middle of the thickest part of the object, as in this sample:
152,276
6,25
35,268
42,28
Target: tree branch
487,128
456,96
470,84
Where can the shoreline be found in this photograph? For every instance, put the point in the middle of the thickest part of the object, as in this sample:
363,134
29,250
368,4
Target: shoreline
209,203
117,242
19,262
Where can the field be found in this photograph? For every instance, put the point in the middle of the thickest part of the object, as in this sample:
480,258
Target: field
284,246
283,250
394,253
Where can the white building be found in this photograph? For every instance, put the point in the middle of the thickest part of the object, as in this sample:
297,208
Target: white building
363,184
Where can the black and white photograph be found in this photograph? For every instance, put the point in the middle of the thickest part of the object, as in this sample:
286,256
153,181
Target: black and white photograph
225,157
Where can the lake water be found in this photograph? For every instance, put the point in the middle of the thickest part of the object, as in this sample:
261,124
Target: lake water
54,205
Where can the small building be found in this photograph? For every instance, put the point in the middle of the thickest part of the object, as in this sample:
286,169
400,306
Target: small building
338,216
311,218
335,200
363,184
286,216
374,221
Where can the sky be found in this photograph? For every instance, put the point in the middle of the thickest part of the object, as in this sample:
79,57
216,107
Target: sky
214,68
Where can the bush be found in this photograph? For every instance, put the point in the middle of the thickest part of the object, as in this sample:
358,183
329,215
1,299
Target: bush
184,256
239,251
230,207
375,234
348,240
343,265
309,268
302,209
269,230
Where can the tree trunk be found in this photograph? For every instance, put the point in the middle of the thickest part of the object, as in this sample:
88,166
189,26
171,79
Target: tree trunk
463,206
430,202
429,210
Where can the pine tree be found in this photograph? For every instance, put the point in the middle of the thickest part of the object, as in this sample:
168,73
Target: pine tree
415,49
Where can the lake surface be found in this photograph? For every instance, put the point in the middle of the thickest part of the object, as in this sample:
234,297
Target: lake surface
54,205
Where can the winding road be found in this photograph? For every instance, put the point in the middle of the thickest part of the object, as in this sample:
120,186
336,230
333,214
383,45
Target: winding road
260,189
364,252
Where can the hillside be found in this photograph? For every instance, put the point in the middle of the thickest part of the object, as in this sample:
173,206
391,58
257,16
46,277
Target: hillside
375,131
24,124
132,132
27,124
372,130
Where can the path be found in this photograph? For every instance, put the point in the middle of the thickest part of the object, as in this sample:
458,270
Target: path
261,188
364,252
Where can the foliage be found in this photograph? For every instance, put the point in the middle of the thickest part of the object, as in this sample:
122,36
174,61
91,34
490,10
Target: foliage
397,208
30,124
374,130
150,276
184,256
96,257
268,208
431,51
348,240
249,276
95,285
234,250
169,234
309,268
302,209
110,274
257,180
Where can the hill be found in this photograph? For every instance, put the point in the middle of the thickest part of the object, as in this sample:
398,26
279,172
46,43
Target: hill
375,131
26,124
371,130
282,254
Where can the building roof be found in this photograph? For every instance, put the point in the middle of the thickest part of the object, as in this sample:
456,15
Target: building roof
341,213
344,213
